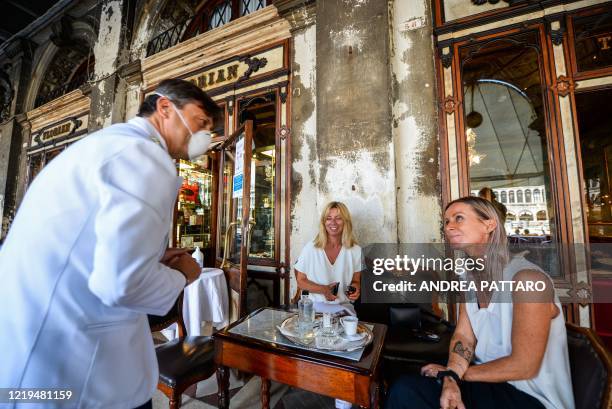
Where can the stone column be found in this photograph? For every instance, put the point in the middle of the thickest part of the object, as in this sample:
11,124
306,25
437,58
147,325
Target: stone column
111,51
12,142
354,143
415,132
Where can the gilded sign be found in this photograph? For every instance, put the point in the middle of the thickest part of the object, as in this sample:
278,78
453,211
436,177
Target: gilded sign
239,69
604,41
56,132
217,77
64,130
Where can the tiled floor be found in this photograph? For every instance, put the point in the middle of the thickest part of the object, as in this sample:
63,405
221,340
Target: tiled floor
247,397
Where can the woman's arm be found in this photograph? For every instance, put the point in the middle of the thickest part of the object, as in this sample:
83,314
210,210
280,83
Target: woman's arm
305,284
530,328
462,345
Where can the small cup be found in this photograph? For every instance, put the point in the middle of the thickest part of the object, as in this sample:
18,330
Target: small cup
350,325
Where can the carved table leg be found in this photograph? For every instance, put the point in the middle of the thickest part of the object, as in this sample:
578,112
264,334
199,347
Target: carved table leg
223,385
265,393
375,396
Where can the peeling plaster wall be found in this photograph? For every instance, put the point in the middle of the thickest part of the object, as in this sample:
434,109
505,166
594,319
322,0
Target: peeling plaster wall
414,122
104,102
305,168
354,144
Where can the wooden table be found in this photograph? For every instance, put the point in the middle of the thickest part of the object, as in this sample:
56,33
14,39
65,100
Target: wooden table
357,382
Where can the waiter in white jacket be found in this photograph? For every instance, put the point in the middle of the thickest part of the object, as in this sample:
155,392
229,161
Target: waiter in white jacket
86,258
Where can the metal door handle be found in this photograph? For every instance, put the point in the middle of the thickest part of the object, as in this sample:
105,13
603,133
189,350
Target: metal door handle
226,239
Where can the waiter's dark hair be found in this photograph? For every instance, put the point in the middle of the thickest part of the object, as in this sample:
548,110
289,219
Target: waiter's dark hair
180,92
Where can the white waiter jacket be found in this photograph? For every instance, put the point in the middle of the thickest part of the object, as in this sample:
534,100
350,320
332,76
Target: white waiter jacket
80,269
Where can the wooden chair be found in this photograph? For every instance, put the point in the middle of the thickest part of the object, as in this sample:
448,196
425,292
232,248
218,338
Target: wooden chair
591,366
183,361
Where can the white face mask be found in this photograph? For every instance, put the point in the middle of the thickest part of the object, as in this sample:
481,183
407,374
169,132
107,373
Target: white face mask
199,141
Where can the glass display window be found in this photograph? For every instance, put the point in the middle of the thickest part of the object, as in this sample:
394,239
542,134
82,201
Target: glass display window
505,138
194,204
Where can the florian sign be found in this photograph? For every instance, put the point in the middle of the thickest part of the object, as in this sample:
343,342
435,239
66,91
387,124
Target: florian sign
59,132
239,69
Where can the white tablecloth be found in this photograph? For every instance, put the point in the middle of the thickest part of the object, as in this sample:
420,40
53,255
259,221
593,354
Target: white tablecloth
206,300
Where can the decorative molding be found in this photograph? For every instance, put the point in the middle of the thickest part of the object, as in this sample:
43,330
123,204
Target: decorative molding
582,293
284,132
230,106
238,37
254,65
74,103
299,13
510,2
447,59
131,72
283,95
556,34
449,105
564,86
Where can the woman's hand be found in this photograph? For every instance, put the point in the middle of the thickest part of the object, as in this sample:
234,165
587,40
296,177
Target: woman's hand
327,292
354,296
431,370
451,395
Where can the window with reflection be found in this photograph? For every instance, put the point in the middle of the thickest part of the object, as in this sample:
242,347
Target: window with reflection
504,197
249,6
527,196
216,13
505,134
595,127
593,40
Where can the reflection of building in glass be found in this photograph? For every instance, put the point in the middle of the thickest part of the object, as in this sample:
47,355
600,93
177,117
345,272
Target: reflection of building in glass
527,209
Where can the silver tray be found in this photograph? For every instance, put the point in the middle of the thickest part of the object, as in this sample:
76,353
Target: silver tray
289,324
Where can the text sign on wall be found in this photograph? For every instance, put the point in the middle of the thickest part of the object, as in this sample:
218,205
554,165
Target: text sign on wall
239,69
59,130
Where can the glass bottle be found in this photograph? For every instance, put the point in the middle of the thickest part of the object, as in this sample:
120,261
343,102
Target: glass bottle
306,313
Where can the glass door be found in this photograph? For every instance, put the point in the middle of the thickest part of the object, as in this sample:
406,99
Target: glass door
235,214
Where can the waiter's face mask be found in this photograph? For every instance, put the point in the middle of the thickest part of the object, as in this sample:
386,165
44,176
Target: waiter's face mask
199,141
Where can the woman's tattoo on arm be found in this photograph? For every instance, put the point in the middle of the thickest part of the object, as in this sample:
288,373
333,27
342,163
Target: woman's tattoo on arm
463,351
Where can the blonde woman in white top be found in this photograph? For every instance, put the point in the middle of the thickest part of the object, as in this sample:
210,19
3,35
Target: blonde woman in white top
502,355
333,257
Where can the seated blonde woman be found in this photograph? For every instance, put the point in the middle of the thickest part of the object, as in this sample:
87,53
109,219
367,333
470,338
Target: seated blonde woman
332,257
503,355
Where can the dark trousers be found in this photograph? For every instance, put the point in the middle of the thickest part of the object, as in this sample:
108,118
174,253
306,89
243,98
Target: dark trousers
420,392
148,405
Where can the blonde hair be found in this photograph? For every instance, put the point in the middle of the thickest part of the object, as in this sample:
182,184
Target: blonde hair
497,244
348,240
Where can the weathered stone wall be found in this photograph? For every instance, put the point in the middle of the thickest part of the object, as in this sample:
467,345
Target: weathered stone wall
353,142
12,152
305,168
108,93
415,133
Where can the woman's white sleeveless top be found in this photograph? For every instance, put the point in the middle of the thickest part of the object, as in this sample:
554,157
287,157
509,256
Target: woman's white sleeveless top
493,329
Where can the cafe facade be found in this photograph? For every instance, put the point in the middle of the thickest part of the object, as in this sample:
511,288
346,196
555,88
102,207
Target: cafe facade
393,107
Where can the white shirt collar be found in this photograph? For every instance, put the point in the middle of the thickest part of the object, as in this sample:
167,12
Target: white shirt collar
147,126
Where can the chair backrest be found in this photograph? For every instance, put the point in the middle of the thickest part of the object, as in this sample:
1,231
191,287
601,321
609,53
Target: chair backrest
591,366
175,315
